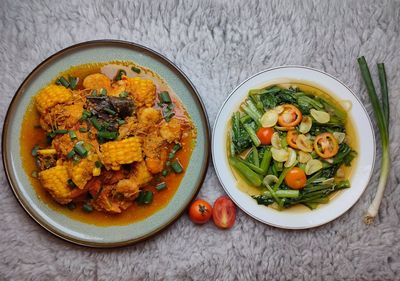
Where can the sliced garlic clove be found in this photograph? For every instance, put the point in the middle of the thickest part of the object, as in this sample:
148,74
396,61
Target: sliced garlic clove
305,125
279,109
340,172
339,136
303,143
320,116
304,157
313,166
346,104
280,155
269,119
292,159
270,180
276,140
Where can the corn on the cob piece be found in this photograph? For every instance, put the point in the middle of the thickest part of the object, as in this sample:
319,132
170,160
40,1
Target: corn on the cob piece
120,152
143,91
55,180
82,172
50,96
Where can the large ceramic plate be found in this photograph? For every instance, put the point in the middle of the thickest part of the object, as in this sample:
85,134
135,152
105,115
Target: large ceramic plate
361,172
65,227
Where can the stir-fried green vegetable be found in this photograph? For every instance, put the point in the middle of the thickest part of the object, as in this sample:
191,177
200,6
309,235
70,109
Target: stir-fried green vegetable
381,112
291,145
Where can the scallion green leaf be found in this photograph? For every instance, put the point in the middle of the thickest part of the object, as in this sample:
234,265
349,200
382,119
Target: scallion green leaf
135,69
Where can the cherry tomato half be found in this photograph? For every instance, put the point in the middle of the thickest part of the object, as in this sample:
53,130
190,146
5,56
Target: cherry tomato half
200,211
224,214
290,116
296,178
325,145
291,138
265,135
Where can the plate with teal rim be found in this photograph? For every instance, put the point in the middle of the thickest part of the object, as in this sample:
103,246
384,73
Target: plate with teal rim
64,226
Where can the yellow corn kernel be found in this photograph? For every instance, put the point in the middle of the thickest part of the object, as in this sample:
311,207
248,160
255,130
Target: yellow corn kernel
96,171
82,172
55,181
143,91
48,151
120,152
51,96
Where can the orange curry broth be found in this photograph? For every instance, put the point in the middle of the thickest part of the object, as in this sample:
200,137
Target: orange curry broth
31,135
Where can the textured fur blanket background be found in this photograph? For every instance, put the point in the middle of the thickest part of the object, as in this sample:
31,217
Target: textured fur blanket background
217,44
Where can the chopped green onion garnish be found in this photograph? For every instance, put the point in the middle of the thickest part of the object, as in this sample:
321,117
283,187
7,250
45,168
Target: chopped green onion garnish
73,81
161,186
51,135
94,93
103,92
107,135
145,197
168,163
87,208
98,164
171,106
35,150
135,69
109,110
164,173
171,155
120,121
148,197
177,167
119,74
164,97
70,154
63,81
72,135
123,94
96,123
176,147
60,132
169,116
85,115
80,149
83,130
34,174
71,205
76,159
71,183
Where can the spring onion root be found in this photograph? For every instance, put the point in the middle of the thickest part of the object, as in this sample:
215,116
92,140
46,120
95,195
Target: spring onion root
381,111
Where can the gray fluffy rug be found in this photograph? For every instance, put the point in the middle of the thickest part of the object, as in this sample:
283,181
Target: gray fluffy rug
217,44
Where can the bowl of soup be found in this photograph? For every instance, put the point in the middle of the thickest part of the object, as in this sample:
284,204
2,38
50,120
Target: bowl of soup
293,147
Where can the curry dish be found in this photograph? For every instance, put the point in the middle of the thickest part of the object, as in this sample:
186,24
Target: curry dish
107,140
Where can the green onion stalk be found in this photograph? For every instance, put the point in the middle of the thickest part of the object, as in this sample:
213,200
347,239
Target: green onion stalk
382,115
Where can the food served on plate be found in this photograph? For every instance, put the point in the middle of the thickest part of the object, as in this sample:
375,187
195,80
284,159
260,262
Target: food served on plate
107,138
291,144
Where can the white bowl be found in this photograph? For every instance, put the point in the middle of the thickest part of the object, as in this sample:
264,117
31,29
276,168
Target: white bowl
361,172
